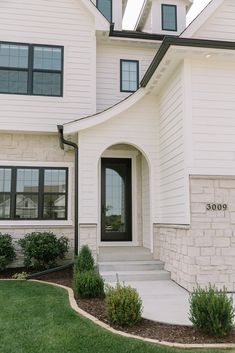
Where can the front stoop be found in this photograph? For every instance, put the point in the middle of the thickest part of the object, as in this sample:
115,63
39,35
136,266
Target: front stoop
130,264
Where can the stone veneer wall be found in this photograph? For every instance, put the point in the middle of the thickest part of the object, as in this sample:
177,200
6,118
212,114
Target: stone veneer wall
204,252
35,148
88,236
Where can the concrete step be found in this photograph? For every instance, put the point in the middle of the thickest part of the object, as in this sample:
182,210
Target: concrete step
155,275
125,253
117,266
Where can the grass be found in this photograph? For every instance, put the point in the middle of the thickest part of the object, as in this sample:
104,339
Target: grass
37,318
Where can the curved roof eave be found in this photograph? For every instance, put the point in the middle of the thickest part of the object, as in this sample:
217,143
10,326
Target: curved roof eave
99,118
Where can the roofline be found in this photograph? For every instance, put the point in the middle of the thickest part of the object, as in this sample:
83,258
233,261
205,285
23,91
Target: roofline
135,34
183,42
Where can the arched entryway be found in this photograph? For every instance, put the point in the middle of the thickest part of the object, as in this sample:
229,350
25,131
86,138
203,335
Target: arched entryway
125,205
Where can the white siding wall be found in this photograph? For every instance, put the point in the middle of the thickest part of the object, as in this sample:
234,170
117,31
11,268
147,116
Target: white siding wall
108,70
213,125
55,22
171,152
221,25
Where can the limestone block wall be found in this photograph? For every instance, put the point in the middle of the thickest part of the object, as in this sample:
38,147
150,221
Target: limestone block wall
41,150
205,252
88,236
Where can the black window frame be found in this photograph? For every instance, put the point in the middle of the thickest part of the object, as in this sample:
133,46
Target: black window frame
137,75
111,11
30,70
162,12
41,193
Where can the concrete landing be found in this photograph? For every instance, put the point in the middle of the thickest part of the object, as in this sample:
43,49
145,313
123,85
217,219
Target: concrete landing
164,301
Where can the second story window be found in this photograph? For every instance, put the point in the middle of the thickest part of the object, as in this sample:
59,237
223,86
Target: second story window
169,17
105,7
129,75
31,69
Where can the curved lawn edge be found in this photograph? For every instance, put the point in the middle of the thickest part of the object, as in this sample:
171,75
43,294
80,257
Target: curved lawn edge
75,307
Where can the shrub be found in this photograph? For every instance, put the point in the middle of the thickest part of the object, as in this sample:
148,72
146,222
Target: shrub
42,250
212,311
123,305
88,284
84,261
7,252
20,276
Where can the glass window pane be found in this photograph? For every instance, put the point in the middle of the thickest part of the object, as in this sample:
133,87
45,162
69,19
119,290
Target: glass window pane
47,84
129,76
27,180
54,206
5,205
5,180
105,7
12,81
12,55
169,17
26,206
47,58
55,180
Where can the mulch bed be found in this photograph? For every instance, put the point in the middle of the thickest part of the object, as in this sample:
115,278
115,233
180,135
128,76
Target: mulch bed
145,328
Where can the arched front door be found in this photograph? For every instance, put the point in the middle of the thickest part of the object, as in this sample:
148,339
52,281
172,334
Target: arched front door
116,199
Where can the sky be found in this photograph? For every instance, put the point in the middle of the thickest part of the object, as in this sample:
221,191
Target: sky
134,6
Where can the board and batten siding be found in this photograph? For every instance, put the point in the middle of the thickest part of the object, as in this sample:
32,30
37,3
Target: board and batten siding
55,22
172,185
108,70
213,117
221,25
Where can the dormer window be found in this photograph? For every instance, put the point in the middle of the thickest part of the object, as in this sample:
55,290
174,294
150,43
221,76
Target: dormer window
105,7
169,17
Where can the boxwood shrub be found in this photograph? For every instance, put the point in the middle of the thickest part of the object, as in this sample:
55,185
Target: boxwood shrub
41,250
88,284
211,311
84,261
7,252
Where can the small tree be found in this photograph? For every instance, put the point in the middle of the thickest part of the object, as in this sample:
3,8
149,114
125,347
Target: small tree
84,261
7,252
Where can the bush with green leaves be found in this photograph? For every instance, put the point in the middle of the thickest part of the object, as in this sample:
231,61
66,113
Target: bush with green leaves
123,305
211,311
41,250
84,261
88,284
20,276
7,251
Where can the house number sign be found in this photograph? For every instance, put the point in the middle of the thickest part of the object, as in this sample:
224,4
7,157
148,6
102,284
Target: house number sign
216,207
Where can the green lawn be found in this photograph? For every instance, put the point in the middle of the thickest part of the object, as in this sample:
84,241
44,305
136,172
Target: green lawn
37,318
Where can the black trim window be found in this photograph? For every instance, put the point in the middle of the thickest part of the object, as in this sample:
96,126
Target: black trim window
31,69
129,75
105,7
33,193
169,17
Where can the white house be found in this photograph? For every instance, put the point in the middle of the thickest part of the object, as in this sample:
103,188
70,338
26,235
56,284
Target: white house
150,118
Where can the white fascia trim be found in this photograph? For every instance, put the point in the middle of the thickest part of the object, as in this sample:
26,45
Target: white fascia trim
195,25
101,23
100,118
143,15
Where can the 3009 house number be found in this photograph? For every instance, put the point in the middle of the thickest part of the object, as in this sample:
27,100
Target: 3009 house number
216,207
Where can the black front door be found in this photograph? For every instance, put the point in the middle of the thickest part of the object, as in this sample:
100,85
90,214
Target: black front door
116,197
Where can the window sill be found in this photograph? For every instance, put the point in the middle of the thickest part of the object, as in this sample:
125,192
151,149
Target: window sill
38,224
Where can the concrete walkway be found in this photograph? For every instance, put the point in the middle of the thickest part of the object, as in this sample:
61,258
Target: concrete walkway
164,301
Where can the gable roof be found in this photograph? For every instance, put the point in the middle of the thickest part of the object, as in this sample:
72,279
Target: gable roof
202,17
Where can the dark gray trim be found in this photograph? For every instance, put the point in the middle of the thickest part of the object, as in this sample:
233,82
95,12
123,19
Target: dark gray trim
183,42
137,75
162,10
135,34
63,142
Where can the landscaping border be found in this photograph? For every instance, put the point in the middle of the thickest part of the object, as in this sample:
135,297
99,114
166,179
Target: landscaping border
96,321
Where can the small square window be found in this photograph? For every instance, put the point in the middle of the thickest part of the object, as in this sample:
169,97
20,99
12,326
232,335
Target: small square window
169,17
129,75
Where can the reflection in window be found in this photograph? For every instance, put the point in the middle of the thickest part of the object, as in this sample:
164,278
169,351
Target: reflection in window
115,211
33,193
129,75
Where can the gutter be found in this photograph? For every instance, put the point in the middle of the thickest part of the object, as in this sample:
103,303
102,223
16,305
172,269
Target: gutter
134,34
63,142
168,41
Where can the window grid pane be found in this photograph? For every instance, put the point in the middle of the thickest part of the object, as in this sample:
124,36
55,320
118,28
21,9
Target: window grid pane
47,84
14,56
27,180
47,58
12,81
54,206
26,206
5,179
169,22
5,206
105,7
129,76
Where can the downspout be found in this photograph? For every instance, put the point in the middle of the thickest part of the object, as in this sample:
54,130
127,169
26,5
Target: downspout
63,142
